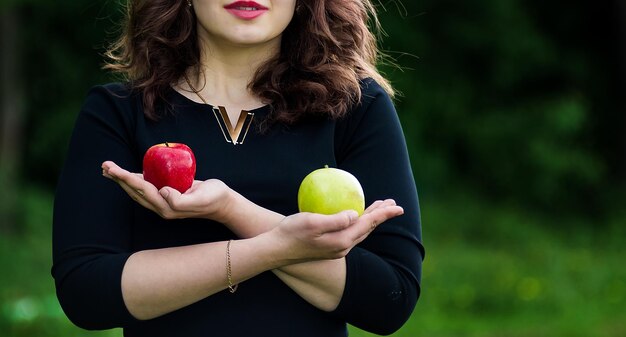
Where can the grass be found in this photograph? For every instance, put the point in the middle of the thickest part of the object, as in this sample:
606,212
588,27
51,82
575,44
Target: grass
489,271
28,303
506,272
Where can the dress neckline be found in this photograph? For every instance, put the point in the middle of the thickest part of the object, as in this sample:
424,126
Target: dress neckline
178,97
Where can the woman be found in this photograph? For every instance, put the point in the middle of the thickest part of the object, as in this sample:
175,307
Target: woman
232,256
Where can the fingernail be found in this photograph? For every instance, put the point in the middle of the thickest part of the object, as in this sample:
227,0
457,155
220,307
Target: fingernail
353,215
164,192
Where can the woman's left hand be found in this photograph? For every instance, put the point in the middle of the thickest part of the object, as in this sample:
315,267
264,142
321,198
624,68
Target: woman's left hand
205,199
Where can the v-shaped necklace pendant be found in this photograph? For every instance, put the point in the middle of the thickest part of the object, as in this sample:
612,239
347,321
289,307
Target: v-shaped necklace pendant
233,135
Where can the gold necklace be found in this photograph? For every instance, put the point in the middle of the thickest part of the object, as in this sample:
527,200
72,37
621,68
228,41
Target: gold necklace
233,135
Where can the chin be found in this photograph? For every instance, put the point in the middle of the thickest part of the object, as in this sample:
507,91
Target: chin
254,39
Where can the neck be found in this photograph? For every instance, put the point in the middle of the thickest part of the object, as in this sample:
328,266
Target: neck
226,70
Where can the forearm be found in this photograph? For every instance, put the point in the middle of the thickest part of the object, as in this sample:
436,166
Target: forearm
320,283
316,236
156,282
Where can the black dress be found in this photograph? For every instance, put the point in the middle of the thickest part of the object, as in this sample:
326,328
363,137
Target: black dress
97,226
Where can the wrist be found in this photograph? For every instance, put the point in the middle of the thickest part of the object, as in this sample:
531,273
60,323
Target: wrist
223,213
243,217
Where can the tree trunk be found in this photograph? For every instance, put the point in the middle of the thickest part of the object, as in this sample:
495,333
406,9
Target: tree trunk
10,117
621,9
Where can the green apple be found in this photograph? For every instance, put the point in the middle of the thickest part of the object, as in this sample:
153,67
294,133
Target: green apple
329,191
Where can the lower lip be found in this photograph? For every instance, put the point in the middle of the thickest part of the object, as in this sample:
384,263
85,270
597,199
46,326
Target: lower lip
246,15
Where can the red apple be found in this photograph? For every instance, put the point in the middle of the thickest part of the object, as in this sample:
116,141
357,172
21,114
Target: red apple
170,164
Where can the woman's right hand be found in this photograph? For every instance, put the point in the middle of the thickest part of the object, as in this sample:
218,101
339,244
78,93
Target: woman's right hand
205,199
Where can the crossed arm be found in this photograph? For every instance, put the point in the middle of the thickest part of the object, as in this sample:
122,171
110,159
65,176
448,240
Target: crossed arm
306,251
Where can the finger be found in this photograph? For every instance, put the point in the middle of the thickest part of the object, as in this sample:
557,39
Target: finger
137,184
194,186
364,234
383,213
184,205
388,202
325,224
118,173
138,195
136,187
367,223
130,180
172,196
106,167
110,167
380,203
373,206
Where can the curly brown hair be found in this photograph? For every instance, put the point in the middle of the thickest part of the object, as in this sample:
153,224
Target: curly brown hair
326,50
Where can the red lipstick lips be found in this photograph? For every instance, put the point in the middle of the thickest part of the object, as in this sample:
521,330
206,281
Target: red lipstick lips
245,10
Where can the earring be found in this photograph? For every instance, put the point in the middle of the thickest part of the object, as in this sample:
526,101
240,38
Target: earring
189,3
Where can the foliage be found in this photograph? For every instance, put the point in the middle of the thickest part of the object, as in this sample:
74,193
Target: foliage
71,36
515,125
501,98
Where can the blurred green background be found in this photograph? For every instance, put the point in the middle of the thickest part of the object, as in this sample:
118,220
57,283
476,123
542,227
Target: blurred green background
514,116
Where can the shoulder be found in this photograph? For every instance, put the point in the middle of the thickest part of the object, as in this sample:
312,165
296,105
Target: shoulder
115,96
373,117
120,88
112,104
375,103
374,100
113,90
371,89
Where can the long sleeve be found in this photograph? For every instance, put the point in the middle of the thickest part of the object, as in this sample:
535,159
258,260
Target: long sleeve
91,229
97,226
384,271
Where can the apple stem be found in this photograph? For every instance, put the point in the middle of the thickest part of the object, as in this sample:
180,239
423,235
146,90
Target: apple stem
326,166
167,144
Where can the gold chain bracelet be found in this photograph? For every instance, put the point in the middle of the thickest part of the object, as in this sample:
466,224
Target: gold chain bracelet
231,287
